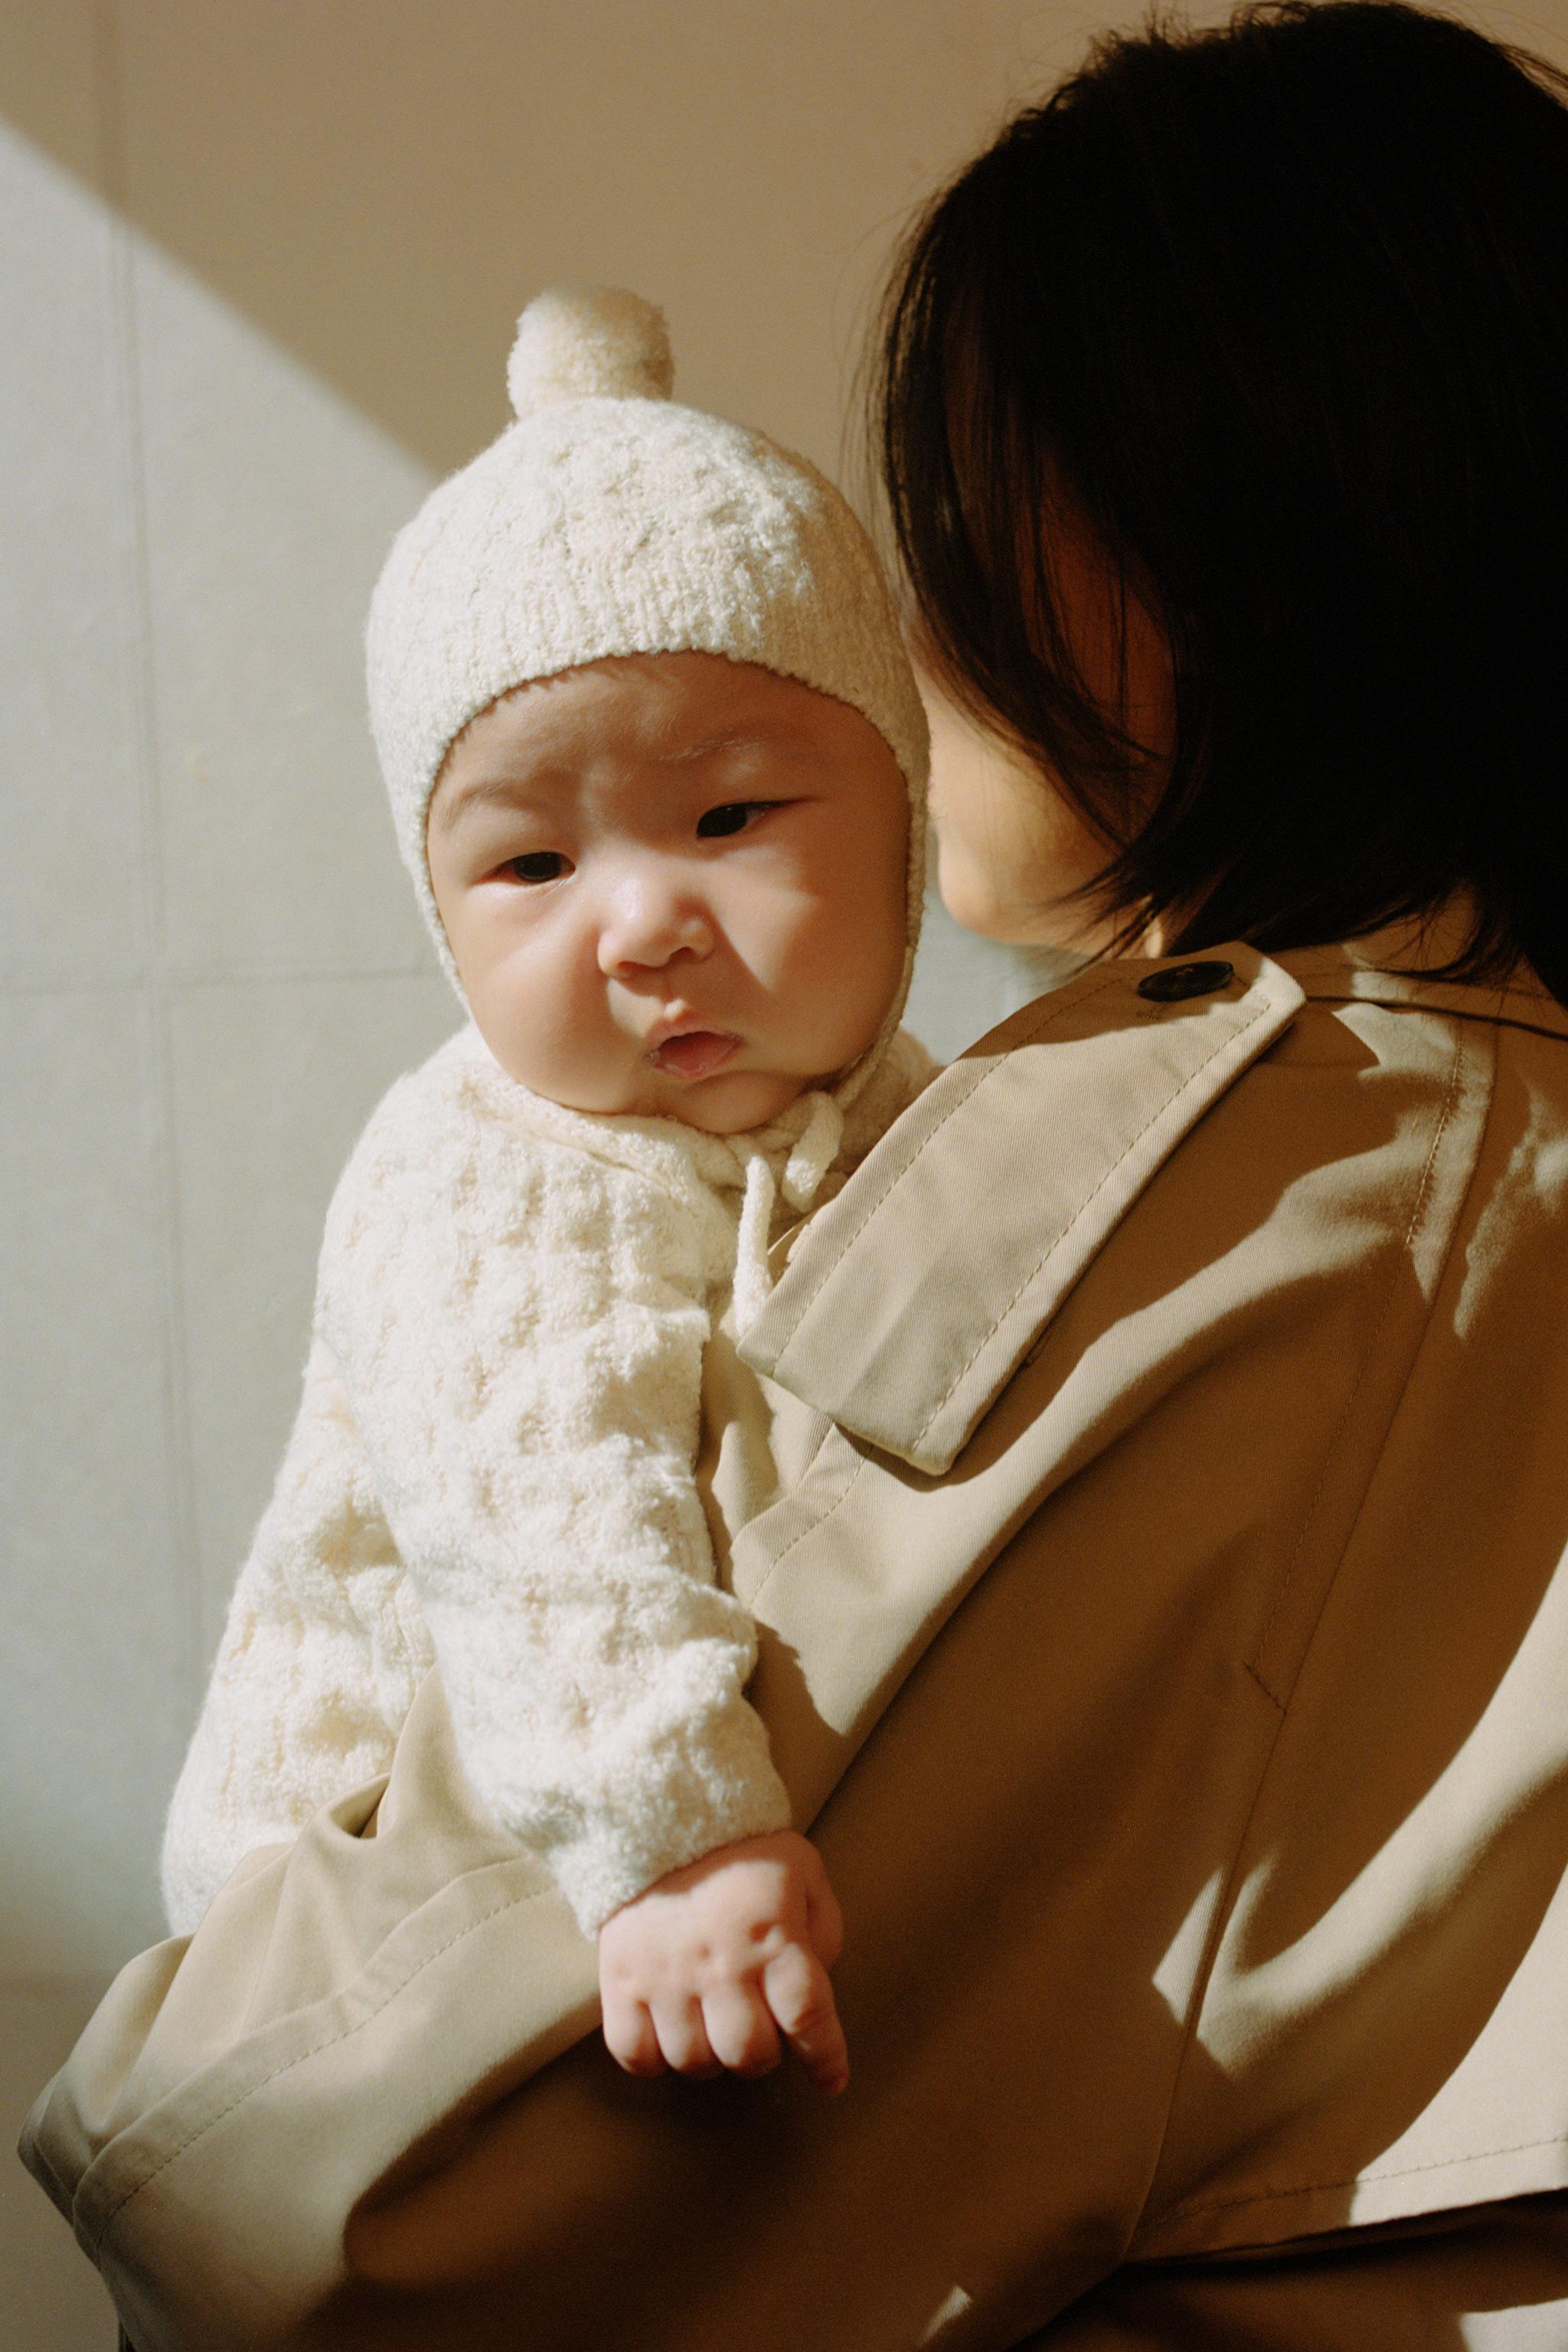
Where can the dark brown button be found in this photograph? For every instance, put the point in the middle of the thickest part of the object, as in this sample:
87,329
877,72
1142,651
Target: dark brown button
1179,980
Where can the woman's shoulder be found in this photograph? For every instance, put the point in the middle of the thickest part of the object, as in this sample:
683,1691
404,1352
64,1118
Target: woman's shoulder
1400,966
1184,1136
1376,1026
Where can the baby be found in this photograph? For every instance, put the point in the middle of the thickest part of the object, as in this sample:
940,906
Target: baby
657,762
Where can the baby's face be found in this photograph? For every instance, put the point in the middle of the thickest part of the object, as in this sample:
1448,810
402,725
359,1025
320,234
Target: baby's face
673,884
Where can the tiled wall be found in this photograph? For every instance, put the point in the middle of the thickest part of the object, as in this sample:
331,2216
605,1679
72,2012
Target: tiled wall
210,962
211,966
258,260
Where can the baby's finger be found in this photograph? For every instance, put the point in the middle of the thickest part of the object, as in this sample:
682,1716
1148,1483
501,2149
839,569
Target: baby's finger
683,2038
629,2036
740,2033
796,1986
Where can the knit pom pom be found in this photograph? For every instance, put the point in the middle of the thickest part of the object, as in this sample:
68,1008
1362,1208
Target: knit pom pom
576,342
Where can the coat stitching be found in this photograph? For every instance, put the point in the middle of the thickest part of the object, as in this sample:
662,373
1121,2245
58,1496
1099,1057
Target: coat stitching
1362,2179
1222,1910
1058,1013
1190,1080
813,1526
1331,1452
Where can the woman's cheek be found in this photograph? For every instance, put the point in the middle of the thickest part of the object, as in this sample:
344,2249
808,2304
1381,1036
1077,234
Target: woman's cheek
963,881
1009,850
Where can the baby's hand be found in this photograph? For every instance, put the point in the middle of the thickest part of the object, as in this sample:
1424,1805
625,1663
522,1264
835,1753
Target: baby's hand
706,1968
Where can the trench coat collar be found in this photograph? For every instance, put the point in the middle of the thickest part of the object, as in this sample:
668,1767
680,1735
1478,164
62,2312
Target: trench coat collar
908,1302
905,1305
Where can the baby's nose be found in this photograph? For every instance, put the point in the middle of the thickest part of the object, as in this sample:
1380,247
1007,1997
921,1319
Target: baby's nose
647,921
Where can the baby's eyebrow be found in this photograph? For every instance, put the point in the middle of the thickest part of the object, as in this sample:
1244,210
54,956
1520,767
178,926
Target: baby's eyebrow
513,792
738,739
484,792
689,754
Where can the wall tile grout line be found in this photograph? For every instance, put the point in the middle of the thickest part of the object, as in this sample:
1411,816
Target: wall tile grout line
180,1484
238,975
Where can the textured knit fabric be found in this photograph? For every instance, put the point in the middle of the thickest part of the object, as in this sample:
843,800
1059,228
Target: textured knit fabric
492,1463
605,521
492,1467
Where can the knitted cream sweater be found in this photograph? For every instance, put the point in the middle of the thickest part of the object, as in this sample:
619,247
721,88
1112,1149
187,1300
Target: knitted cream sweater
493,1468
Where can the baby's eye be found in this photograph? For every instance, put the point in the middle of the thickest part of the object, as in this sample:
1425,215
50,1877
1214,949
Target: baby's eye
732,816
538,865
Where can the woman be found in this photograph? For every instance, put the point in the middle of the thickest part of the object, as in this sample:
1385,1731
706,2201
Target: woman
1165,1607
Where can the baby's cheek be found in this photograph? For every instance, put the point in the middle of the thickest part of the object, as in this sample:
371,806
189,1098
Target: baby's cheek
543,1023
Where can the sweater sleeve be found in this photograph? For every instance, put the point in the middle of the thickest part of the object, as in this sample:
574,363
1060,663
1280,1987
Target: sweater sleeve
521,1329
317,1666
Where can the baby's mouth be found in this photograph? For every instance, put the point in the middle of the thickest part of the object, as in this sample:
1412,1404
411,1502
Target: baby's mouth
696,1054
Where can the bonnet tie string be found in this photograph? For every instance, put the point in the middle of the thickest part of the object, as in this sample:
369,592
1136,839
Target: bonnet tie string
809,1160
815,1153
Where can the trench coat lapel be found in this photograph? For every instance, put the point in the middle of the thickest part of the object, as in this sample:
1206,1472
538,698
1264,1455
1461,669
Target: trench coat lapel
1012,1168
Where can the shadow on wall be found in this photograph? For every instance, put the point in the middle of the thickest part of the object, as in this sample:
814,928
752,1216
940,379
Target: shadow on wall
381,191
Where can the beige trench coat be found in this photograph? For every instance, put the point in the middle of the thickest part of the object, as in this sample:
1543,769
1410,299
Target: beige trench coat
1150,1477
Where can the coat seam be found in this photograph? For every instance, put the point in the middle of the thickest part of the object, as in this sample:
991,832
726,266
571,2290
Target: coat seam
1222,1908
813,1525
1541,1025
1210,1948
1330,1451
1361,2179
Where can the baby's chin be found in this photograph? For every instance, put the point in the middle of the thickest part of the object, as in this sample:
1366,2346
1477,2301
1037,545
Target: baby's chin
727,1104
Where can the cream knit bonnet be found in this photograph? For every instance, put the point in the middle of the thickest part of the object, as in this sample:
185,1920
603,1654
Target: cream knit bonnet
607,520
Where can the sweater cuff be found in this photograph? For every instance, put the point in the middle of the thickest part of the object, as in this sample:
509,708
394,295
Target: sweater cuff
676,1809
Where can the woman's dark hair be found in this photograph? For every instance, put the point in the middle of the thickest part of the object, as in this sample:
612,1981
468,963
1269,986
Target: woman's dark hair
1280,310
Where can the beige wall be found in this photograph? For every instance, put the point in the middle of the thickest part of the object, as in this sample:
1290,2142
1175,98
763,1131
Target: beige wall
259,265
